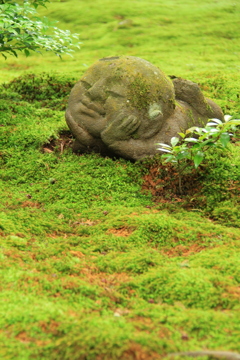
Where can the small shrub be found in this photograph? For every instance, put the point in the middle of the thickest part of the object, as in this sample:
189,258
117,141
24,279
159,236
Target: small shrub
189,152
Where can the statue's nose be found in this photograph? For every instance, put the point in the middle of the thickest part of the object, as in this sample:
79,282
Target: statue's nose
97,91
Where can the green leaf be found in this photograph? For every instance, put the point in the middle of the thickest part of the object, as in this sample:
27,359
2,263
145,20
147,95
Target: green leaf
182,135
169,158
27,53
165,150
227,118
183,155
211,124
198,158
219,122
14,52
233,122
213,131
194,129
164,145
191,140
174,141
224,139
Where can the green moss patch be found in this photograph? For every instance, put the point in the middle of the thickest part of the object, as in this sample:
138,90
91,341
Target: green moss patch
102,258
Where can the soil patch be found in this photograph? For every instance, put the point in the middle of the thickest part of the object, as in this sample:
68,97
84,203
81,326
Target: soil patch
63,142
181,250
138,352
162,181
123,231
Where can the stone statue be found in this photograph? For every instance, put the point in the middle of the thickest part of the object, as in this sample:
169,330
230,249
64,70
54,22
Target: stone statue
123,106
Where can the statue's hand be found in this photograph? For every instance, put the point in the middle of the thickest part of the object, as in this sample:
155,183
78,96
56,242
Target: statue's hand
79,132
120,129
90,115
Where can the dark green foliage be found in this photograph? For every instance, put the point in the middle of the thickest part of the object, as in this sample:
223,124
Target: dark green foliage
48,90
24,31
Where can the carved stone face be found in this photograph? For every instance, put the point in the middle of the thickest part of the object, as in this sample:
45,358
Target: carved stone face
122,85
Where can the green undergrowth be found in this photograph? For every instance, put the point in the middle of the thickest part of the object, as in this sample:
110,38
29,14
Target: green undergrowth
91,265
45,90
96,263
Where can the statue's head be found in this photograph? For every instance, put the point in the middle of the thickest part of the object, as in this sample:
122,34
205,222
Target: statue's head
127,85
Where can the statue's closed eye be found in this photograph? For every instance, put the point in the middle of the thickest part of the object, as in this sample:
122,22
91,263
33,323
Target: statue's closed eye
114,94
86,84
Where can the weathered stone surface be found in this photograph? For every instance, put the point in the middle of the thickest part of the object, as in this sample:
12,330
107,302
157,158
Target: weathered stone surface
124,105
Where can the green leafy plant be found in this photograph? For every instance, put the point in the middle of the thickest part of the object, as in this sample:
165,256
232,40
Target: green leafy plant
188,152
21,30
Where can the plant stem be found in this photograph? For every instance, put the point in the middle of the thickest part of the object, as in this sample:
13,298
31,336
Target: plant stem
180,183
180,177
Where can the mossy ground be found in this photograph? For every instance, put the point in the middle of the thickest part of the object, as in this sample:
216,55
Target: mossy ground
101,258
